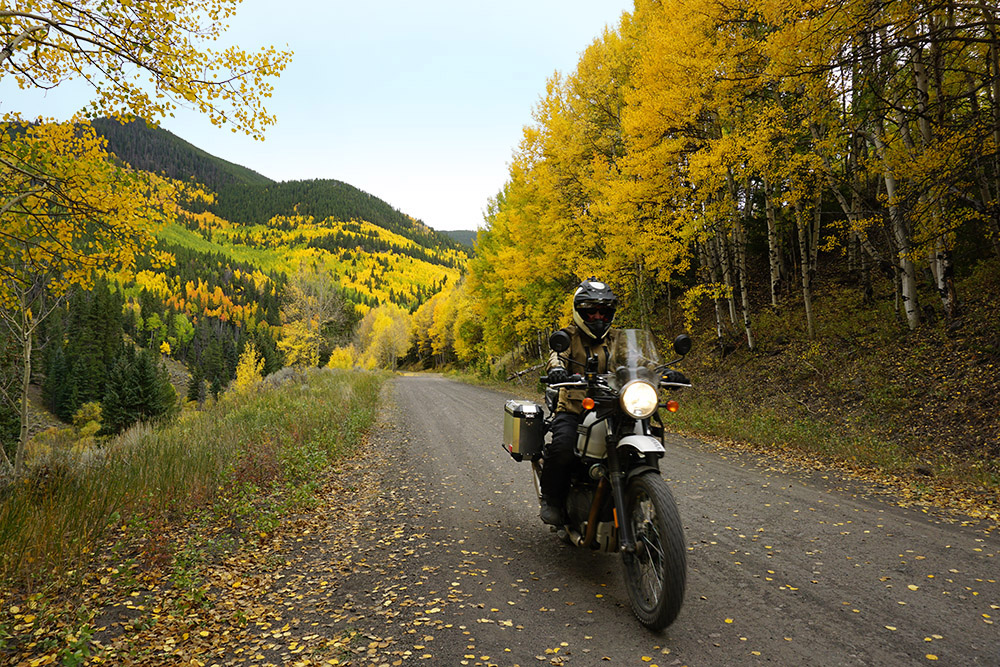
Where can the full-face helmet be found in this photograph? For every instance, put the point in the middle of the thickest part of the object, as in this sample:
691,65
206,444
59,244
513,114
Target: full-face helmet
594,307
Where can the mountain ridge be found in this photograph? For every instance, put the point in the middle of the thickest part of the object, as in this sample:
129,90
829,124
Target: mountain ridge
160,151
244,196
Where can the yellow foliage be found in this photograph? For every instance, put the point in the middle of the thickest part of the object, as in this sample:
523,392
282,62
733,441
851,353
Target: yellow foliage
88,413
66,210
126,47
300,345
384,336
249,368
342,358
693,297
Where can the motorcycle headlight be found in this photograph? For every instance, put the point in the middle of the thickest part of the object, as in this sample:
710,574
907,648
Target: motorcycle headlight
639,399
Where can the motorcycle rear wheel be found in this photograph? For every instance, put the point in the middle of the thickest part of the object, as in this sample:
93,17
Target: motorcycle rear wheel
656,573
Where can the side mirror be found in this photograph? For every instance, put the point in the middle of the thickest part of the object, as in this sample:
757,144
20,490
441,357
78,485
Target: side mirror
682,344
559,341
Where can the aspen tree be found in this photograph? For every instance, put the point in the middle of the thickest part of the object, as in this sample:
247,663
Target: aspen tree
65,210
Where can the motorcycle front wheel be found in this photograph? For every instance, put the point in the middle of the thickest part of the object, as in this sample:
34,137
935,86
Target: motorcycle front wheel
656,573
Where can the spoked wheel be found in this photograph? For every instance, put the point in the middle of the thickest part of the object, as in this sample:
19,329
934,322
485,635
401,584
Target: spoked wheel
655,574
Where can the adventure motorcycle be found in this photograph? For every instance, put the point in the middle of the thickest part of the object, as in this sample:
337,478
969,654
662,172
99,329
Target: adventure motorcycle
618,501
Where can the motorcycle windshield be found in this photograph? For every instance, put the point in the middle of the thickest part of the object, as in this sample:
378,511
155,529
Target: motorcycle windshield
634,356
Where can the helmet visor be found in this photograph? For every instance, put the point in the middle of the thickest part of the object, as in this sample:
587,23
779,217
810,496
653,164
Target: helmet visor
597,314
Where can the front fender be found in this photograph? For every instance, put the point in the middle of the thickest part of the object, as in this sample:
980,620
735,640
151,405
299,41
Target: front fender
644,444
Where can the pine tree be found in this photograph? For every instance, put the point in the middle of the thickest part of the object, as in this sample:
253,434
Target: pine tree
56,375
195,383
138,390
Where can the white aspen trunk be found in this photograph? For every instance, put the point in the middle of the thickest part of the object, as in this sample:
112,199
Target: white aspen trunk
722,248
739,233
940,254
711,266
817,219
773,252
744,292
800,226
907,269
944,278
866,279
22,441
904,262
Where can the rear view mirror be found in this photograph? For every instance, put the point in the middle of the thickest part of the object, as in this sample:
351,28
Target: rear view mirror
559,341
682,344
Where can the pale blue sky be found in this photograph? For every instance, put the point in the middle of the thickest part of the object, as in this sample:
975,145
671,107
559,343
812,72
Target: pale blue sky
420,104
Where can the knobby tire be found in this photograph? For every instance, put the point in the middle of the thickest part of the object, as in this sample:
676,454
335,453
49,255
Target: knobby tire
655,575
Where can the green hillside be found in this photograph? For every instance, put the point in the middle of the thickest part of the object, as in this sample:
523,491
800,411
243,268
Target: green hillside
244,196
466,237
376,253
162,152
258,203
219,283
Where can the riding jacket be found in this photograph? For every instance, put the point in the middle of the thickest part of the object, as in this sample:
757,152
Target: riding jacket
581,347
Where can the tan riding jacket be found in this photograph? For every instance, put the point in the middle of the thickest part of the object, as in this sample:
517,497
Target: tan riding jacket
580,348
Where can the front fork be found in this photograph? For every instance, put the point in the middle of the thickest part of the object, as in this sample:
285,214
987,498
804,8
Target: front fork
626,539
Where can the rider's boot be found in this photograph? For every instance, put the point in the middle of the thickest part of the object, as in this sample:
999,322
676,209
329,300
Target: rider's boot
554,483
551,512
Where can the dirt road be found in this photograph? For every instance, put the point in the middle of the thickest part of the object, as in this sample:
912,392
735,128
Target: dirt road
784,568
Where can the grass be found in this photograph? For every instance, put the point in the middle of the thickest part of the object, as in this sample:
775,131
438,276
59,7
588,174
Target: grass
242,463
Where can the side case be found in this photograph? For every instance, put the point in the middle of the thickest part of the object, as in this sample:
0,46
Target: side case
523,429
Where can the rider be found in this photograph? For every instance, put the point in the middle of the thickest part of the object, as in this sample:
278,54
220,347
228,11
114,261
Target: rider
590,334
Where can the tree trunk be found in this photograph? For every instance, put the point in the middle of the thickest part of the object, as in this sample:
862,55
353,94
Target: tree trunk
22,441
944,278
801,228
710,267
773,251
740,250
989,12
901,235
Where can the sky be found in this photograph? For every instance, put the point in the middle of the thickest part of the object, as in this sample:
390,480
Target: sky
421,104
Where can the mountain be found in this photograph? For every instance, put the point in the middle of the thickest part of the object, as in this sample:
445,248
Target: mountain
466,237
162,152
246,197
321,199
376,253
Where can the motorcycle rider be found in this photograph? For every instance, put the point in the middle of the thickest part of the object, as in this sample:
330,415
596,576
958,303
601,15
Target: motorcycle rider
594,306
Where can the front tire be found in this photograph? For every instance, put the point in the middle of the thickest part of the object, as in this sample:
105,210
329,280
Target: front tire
656,573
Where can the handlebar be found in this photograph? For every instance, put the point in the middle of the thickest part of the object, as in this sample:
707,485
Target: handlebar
675,385
575,381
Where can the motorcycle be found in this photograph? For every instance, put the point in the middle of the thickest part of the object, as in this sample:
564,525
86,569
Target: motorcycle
618,501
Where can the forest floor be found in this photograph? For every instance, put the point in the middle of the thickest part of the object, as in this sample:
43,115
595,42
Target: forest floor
865,393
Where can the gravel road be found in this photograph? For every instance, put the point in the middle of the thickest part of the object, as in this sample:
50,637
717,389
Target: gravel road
784,567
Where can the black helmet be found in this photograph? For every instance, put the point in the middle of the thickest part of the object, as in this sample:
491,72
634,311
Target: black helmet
594,307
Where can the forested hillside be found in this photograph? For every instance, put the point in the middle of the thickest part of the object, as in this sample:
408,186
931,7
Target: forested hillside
243,195
828,223
285,276
160,151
